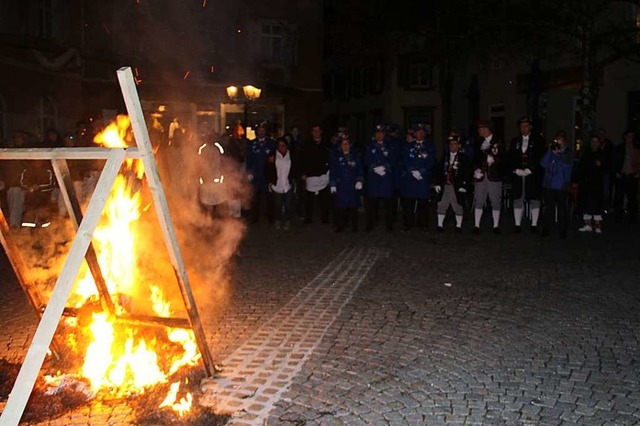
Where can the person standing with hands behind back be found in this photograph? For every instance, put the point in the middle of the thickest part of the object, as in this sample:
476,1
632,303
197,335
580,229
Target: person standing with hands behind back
558,165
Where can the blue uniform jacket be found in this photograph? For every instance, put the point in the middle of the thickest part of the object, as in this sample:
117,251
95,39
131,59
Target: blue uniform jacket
345,171
378,155
557,169
257,153
420,157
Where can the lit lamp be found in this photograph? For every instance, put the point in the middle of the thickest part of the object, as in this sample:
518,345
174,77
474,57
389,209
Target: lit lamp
251,94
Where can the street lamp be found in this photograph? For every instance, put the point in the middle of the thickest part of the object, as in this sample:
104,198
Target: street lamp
251,94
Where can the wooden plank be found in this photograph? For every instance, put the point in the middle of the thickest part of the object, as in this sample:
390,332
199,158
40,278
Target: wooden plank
46,329
79,153
61,169
140,319
132,101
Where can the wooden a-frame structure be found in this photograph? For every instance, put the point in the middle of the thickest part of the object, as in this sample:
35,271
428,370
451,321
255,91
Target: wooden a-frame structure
82,249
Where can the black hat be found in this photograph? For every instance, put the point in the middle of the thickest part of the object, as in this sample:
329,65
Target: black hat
418,126
454,138
379,128
525,119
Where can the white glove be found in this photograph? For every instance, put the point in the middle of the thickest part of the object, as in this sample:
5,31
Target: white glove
519,172
478,174
526,172
462,190
380,170
490,159
250,177
438,188
358,186
271,188
416,175
334,190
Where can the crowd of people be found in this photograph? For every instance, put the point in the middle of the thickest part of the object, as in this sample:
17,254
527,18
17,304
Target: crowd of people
396,178
401,177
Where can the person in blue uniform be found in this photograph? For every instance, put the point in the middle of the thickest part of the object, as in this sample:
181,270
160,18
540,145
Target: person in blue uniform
257,152
418,159
380,160
345,181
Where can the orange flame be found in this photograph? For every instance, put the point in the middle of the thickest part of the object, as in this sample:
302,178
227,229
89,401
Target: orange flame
116,357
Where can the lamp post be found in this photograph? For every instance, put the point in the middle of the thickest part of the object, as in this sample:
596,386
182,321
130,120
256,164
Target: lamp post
251,94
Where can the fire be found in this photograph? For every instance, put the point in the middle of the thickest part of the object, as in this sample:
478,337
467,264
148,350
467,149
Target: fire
117,358
182,406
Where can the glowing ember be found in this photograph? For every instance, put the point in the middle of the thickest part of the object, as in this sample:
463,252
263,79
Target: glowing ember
182,406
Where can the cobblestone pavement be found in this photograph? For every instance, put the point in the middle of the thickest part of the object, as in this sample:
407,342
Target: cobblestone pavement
441,329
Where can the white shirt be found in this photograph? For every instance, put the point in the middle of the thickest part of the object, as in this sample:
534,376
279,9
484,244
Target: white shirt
452,157
486,143
283,167
525,143
317,183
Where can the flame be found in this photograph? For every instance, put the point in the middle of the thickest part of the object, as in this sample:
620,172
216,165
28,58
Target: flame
117,358
181,407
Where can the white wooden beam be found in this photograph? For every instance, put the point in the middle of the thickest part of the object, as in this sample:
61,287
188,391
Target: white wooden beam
79,153
132,101
46,329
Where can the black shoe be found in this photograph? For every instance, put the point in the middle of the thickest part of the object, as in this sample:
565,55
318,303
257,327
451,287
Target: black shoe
534,229
339,230
458,230
439,229
496,230
544,233
517,230
424,229
369,228
476,230
405,229
563,235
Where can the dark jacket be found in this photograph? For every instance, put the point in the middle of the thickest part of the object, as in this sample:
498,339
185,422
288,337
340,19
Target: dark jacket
314,158
619,154
346,171
457,173
530,159
495,171
422,158
385,156
257,153
591,169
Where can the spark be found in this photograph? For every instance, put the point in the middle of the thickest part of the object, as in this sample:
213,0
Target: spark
213,68
135,70
220,148
104,25
201,148
204,3
186,75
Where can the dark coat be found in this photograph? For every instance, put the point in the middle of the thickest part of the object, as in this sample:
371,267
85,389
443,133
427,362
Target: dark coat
420,157
591,170
346,170
495,171
381,155
530,159
257,153
459,173
314,158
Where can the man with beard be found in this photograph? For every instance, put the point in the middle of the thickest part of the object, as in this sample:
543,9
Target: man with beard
525,154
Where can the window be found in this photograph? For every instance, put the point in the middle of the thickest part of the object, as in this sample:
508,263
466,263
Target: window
48,114
272,43
45,18
635,17
420,76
